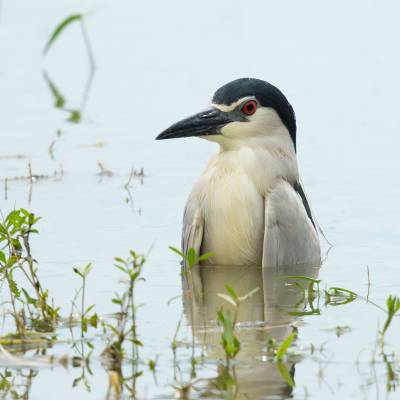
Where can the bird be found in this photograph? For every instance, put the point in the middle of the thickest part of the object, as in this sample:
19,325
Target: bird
248,207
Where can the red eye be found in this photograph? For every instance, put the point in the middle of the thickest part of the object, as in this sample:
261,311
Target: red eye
250,107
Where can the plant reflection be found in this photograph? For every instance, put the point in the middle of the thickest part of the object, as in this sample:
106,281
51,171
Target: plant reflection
16,384
60,102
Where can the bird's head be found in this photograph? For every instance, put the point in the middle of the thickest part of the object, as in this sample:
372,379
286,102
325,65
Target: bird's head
241,110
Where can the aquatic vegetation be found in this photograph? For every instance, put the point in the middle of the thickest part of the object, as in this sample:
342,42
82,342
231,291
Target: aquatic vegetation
226,382
278,353
35,317
16,384
74,113
191,258
30,301
60,28
229,340
335,296
393,307
125,328
311,294
227,321
85,317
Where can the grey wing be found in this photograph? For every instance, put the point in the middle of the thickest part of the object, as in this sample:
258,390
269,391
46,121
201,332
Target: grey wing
192,233
192,237
290,236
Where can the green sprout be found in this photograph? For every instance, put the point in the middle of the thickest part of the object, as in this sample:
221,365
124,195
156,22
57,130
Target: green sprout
393,307
277,355
227,321
191,257
85,318
125,328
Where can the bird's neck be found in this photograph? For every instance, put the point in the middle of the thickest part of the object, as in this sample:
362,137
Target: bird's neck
264,160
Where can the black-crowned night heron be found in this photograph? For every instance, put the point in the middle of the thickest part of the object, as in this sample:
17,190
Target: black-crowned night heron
248,207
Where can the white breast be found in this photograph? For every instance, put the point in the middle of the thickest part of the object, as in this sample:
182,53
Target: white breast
233,210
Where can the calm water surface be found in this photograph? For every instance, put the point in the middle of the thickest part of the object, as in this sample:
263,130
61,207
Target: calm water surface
156,63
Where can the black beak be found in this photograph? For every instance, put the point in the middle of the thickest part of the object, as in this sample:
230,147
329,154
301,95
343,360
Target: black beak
205,123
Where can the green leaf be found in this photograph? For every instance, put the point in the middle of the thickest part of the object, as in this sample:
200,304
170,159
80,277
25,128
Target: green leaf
123,269
205,256
84,324
29,299
2,257
11,261
230,342
14,288
191,257
77,271
393,306
133,253
177,251
285,374
93,320
87,269
60,28
138,374
137,342
75,116
90,308
284,346
232,293
152,365
338,291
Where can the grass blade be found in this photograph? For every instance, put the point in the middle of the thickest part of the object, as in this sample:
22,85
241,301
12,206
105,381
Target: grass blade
177,251
284,346
285,374
60,28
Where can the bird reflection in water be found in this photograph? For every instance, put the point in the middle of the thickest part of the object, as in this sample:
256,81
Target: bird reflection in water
266,315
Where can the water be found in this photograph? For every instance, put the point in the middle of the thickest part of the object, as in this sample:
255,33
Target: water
156,63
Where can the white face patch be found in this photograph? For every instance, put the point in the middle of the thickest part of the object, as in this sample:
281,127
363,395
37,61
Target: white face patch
263,123
231,107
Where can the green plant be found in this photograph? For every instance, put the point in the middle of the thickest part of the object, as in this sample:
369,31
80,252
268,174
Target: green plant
16,256
60,28
392,371
393,307
226,381
86,318
74,114
191,257
336,296
227,321
125,328
229,340
16,384
277,354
